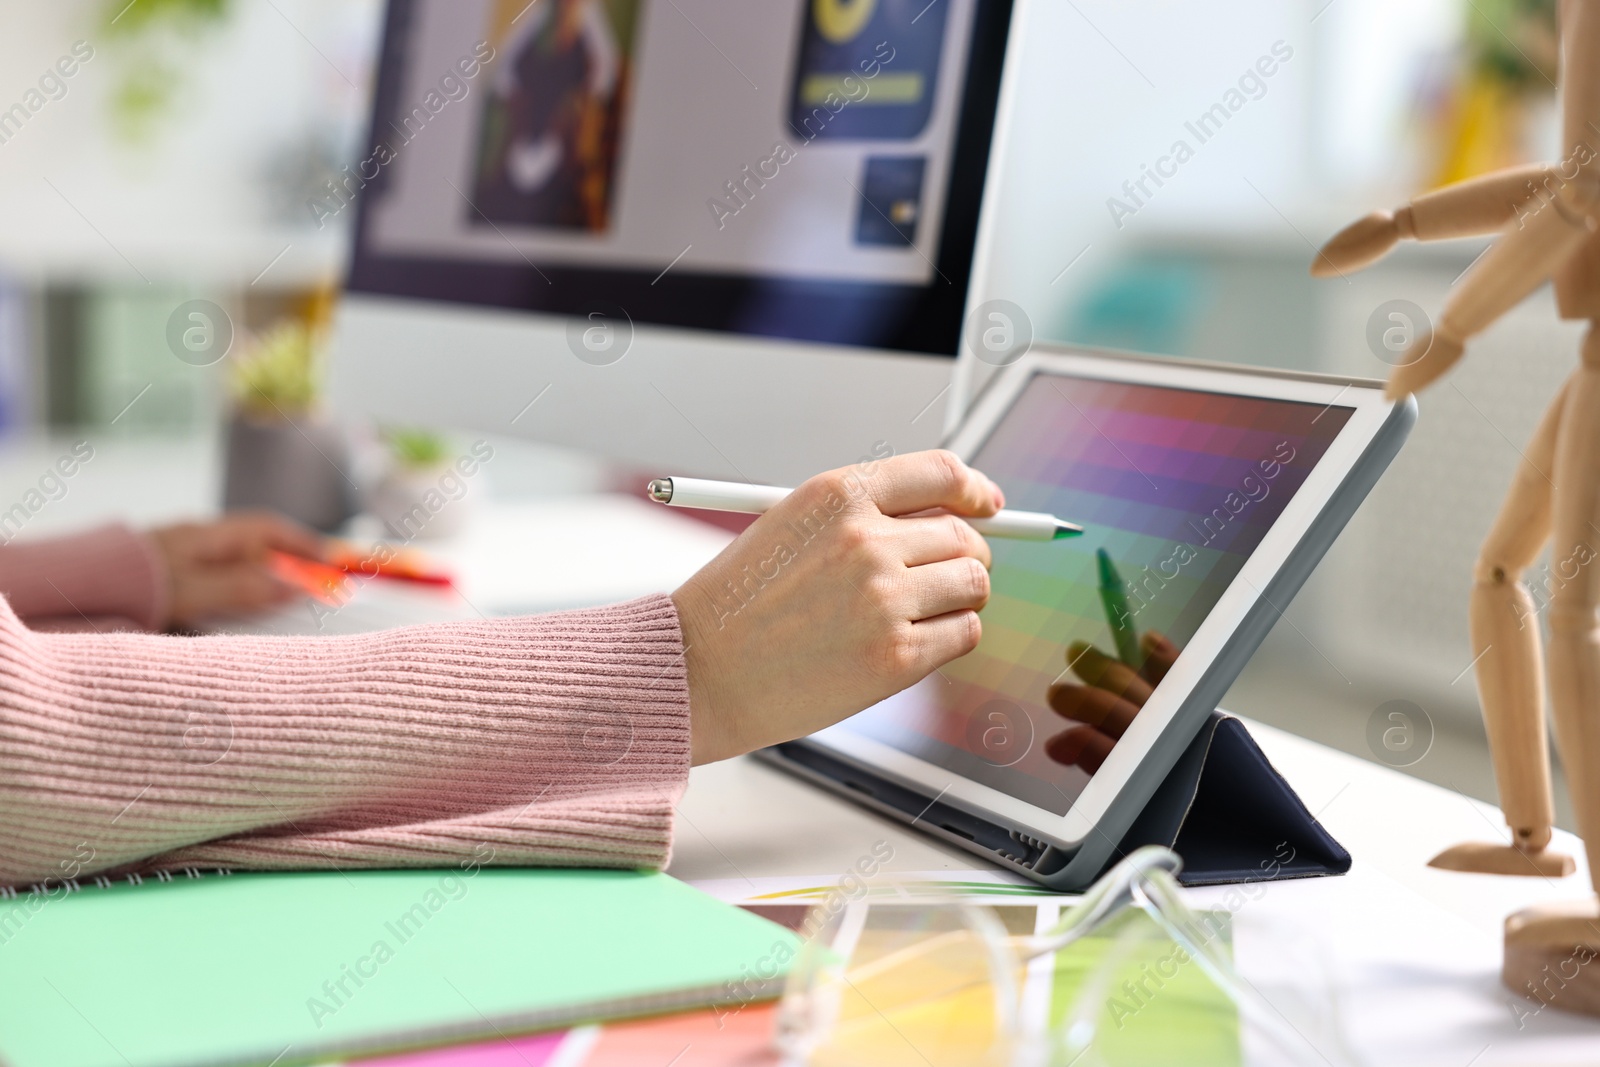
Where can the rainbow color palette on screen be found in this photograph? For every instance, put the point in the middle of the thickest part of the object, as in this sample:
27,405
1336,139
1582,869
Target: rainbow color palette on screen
1208,495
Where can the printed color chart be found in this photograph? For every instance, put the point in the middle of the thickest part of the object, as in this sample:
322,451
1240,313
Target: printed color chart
1176,487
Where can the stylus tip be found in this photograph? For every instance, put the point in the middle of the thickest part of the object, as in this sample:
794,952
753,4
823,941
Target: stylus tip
660,490
1067,529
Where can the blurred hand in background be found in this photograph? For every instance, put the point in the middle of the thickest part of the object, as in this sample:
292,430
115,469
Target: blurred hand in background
223,567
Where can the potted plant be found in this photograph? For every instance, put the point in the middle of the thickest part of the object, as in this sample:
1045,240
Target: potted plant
155,42
421,496
283,454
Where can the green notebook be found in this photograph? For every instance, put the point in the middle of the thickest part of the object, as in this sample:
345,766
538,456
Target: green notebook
293,968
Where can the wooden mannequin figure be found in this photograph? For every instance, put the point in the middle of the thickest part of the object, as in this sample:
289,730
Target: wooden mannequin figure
1548,217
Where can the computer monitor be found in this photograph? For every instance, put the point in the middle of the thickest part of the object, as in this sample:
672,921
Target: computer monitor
716,237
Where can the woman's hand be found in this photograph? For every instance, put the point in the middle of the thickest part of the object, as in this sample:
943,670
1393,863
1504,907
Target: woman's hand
840,596
223,567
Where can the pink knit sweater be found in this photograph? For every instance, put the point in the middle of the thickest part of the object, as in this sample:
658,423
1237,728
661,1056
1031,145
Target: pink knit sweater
552,740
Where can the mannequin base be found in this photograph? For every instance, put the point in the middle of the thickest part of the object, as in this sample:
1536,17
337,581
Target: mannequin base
1551,955
1477,857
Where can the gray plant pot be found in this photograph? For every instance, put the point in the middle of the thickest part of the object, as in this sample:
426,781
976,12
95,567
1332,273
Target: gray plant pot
299,468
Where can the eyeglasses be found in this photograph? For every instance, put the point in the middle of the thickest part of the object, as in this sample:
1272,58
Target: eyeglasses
1125,971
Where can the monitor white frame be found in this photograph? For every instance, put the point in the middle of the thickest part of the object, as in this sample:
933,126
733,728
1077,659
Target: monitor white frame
687,401
704,402
964,377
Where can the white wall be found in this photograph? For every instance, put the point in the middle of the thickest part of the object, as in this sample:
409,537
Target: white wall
190,203
1107,85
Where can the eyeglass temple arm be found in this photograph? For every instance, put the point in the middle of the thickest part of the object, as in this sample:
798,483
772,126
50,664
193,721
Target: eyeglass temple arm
1161,901
1110,894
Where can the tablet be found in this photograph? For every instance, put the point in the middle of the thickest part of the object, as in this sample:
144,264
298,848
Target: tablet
1208,494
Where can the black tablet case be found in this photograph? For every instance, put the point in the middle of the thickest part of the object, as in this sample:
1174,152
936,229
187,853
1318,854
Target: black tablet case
1223,808
1232,817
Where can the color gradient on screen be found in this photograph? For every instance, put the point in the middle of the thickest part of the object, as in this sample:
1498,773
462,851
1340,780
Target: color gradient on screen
1177,486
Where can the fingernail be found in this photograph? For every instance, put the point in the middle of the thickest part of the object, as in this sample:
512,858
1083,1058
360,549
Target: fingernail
999,497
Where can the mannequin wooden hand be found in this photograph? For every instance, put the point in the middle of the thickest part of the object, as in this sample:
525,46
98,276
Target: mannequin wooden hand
1362,243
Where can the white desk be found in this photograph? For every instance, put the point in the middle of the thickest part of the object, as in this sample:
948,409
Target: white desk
1414,953
527,557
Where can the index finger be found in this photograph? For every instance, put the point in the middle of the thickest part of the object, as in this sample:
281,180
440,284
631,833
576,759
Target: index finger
918,481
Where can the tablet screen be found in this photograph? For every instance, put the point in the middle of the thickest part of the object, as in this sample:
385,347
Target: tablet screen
1175,488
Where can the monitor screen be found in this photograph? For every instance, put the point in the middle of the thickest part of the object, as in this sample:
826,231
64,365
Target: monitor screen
1175,488
799,169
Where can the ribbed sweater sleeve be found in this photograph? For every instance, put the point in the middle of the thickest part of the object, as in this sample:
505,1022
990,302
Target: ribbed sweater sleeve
558,740
108,573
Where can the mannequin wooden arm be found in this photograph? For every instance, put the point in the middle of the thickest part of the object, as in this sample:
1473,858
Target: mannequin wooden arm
1466,209
1530,251
1479,206
1580,83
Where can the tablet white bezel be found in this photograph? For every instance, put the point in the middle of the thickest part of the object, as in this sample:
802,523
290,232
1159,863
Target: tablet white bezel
1370,412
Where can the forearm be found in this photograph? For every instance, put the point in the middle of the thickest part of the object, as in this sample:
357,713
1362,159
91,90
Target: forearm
1477,206
559,739
109,571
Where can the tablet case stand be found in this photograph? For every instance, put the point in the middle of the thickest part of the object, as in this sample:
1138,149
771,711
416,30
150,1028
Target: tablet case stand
1231,816
1222,807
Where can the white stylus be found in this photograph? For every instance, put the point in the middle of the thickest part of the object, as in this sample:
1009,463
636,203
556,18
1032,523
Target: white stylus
755,499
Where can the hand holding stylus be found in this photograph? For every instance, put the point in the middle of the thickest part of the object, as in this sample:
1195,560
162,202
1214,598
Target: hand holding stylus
838,596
